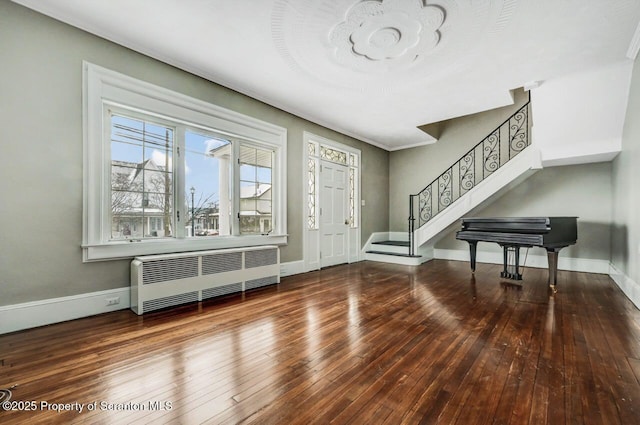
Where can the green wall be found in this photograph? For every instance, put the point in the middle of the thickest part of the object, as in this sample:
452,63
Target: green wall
41,155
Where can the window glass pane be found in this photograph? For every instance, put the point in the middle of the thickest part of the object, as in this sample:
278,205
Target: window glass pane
247,172
255,190
263,158
141,179
207,176
263,175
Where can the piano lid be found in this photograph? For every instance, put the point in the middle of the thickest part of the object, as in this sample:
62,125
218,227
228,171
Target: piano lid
538,225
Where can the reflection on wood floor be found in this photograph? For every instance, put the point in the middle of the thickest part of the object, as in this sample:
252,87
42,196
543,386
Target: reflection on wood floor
366,343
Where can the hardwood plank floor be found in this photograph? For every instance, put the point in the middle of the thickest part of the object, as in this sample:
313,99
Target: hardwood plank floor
366,343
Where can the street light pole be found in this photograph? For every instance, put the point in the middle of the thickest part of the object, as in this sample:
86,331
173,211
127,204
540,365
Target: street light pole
193,209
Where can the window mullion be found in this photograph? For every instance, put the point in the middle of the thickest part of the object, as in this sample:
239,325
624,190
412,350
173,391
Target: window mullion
235,189
180,212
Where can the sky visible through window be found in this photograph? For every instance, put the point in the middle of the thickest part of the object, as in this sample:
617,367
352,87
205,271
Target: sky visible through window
136,141
202,169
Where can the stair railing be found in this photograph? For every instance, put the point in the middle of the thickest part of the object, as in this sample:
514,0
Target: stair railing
501,145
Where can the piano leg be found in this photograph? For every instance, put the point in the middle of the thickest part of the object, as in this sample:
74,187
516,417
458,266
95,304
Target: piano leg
515,275
552,255
505,252
472,252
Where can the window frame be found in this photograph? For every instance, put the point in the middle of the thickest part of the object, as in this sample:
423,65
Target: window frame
104,88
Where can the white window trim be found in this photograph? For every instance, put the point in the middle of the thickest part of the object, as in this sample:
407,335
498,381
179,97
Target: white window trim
101,87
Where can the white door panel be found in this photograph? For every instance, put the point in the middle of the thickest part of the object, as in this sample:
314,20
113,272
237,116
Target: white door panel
333,213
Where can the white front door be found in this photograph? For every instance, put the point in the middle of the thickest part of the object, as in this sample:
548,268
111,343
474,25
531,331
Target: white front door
334,182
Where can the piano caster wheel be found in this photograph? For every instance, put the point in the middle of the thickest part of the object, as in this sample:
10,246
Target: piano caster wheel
553,288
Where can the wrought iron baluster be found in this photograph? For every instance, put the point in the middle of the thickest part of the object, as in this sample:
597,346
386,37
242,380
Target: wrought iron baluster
467,171
444,190
425,207
491,153
518,136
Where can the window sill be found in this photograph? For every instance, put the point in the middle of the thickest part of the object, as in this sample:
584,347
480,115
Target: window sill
128,250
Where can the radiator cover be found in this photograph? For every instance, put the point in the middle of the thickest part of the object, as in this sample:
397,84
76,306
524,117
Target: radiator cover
160,281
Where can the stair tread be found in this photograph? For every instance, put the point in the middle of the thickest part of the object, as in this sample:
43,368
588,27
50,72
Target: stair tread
396,254
393,243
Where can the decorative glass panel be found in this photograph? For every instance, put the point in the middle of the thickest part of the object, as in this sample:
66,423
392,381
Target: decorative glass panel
333,155
312,149
352,197
353,160
311,195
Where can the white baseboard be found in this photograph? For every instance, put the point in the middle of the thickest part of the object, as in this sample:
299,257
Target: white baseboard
18,317
292,267
630,288
537,261
44,312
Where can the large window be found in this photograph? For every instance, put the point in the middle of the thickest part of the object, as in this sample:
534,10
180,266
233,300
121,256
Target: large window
167,173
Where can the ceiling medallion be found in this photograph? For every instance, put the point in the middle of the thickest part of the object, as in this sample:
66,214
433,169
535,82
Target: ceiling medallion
384,45
386,34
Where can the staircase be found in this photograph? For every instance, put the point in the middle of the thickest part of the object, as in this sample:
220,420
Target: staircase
500,161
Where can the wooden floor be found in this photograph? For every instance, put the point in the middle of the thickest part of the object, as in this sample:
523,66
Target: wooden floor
366,343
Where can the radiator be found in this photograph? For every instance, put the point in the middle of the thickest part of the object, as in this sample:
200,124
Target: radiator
159,281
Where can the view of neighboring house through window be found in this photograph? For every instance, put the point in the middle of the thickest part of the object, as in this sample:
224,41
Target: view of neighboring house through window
255,190
141,179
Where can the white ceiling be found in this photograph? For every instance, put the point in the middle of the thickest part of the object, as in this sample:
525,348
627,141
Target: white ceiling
375,69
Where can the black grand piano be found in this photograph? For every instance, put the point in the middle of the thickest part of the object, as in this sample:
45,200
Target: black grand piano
513,233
